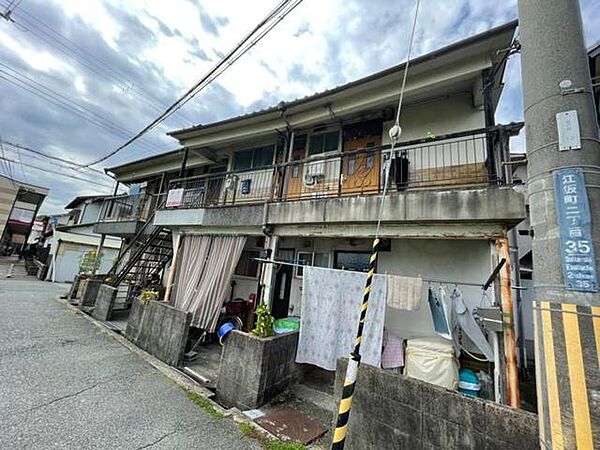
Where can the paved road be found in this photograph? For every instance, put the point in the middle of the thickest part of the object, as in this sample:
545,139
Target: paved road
65,385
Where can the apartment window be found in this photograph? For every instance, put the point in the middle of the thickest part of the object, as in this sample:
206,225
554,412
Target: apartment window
323,142
247,265
254,158
315,259
357,261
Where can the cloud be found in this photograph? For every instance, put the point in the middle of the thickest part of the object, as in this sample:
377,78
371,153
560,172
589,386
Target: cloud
127,60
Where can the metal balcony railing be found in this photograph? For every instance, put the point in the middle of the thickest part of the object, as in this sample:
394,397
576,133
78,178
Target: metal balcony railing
460,160
126,208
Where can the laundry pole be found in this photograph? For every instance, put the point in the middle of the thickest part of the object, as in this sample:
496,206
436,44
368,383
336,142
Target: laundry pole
563,154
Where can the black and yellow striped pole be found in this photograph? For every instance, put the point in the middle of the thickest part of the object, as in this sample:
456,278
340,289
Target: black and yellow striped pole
341,427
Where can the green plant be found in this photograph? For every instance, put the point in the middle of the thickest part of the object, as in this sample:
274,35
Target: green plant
89,263
264,321
205,404
147,295
281,445
249,431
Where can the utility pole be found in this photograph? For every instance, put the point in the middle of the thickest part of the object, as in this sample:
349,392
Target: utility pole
563,155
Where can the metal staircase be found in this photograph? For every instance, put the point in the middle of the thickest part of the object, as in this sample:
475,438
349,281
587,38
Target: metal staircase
146,255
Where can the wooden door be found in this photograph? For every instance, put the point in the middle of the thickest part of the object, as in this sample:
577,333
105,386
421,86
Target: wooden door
361,171
295,175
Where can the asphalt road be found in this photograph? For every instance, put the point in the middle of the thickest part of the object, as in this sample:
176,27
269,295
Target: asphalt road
66,385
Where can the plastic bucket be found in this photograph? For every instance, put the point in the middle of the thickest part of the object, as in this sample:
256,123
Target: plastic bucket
224,330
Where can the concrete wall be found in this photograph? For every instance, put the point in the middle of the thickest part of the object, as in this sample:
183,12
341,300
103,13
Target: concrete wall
105,302
160,329
485,205
255,370
393,411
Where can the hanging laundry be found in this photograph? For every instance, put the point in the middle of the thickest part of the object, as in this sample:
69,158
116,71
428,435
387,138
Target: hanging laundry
439,313
331,305
469,325
392,356
404,293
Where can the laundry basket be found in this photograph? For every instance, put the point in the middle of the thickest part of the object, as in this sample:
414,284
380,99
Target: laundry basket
432,360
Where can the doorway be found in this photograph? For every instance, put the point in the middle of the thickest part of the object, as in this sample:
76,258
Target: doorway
283,285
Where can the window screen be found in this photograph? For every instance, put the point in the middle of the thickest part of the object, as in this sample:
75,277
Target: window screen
323,142
243,160
263,157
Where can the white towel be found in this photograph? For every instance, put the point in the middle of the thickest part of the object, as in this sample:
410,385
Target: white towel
404,292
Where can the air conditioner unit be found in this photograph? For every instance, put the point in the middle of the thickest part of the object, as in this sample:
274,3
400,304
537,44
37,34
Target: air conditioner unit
309,179
316,169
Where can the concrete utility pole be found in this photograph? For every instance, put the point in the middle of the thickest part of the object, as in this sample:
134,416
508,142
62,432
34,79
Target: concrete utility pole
563,155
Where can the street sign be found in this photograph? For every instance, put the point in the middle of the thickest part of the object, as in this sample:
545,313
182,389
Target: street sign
174,198
574,219
54,220
569,137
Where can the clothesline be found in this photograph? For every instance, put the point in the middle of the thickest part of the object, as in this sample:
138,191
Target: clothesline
462,283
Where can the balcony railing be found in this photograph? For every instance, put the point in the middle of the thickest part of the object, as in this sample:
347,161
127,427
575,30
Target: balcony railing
127,208
453,161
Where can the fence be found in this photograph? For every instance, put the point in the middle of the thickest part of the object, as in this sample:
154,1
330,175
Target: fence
453,161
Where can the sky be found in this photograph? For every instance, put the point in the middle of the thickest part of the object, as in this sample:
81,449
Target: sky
77,78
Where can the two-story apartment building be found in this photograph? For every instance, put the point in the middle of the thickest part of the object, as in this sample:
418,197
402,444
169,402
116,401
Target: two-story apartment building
301,183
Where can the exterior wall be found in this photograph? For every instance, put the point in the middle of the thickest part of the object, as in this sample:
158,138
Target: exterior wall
454,260
389,408
8,192
441,116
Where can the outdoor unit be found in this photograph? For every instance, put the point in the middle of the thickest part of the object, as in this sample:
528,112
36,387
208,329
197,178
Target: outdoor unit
314,172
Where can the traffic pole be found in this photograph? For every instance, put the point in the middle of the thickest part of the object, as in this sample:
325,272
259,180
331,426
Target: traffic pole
341,427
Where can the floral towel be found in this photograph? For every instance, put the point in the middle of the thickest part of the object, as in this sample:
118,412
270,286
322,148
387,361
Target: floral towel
331,303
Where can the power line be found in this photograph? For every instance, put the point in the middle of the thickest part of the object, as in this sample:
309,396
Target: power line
283,8
83,57
45,155
62,174
49,94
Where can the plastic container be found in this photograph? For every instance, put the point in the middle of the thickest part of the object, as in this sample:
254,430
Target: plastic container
468,383
224,330
286,325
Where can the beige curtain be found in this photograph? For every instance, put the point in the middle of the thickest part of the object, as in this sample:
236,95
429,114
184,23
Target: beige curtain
206,267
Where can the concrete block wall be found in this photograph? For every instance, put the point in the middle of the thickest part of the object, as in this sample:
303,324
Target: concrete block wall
160,329
394,411
90,291
255,370
104,302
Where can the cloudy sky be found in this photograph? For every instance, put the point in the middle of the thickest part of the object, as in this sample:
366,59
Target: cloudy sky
79,77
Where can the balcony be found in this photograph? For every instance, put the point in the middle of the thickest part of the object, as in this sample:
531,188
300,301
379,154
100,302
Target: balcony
457,178
123,215
452,162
